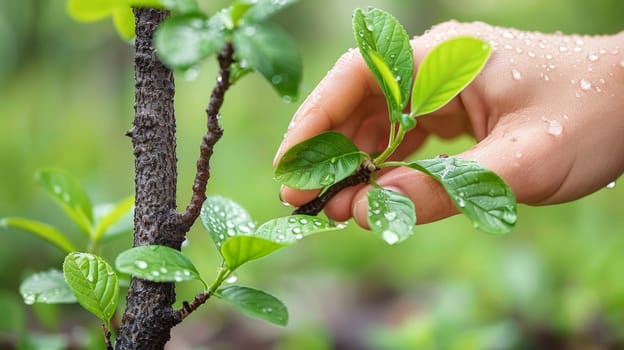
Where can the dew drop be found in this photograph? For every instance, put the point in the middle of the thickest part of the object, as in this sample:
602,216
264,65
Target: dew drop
250,30
390,237
57,189
155,273
611,185
178,278
461,202
317,223
303,221
66,197
140,264
29,299
191,74
515,74
296,230
292,220
592,57
267,310
390,215
585,84
328,179
287,99
244,229
231,279
361,33
164,270
277,79
186,272
298,236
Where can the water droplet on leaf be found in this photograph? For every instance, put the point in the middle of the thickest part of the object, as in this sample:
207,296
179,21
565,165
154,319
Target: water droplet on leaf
390,237
328,179
231,279
390,215
611,185
140,264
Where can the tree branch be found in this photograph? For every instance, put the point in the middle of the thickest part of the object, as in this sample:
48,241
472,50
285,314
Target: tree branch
361,176
187,308
213,134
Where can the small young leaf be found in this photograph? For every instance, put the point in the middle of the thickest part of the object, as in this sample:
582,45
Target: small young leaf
255,303
271,51
94,284
123,18
446,71
263,9
224,218
69,194
479,193
318,162
385,47
183,41
271,236
113,214
391,215
157,263
42,230
48,287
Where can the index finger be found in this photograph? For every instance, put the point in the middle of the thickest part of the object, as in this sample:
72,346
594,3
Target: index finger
345,87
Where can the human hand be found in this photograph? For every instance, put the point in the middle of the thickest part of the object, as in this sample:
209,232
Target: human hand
545,112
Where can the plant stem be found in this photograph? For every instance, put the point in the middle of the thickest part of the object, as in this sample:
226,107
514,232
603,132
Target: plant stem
391,147
223,274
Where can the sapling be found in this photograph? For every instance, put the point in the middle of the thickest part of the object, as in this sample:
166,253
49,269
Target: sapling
330,161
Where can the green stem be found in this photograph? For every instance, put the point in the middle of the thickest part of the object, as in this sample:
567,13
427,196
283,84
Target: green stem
391,164
393,145
223,274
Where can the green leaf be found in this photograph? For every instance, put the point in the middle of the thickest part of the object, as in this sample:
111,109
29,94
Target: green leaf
224,218
157,263
478,192
255,303
446,71
111,215
385,47
271,236
123,18
94,284
263,9
183,41
92,10
48,287
318,162
69,194
179,6
391,215
266,48
50,233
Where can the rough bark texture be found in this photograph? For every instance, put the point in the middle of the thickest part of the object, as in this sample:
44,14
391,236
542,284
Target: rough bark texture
148,318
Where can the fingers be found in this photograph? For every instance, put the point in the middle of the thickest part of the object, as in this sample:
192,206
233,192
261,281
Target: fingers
336,99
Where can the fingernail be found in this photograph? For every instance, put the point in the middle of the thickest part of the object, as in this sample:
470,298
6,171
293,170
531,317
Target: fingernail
284,202
360,212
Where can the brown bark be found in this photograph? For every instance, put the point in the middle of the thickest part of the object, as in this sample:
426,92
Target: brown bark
149,317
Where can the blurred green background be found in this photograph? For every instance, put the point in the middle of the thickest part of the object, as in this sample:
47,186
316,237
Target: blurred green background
66,99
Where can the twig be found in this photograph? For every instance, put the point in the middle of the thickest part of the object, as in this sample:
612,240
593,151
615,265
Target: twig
187,308
107,335
362,175
213,134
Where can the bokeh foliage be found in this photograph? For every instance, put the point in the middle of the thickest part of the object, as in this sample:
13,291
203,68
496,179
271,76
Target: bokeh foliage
66,101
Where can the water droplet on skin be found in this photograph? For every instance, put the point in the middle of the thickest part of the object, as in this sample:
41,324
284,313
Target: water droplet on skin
563,48
553,127
518,50
549,56
585,84
390,237
140,264
507,35
611,185
579,42
515,74
531,54
622,63
519,154
592,57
